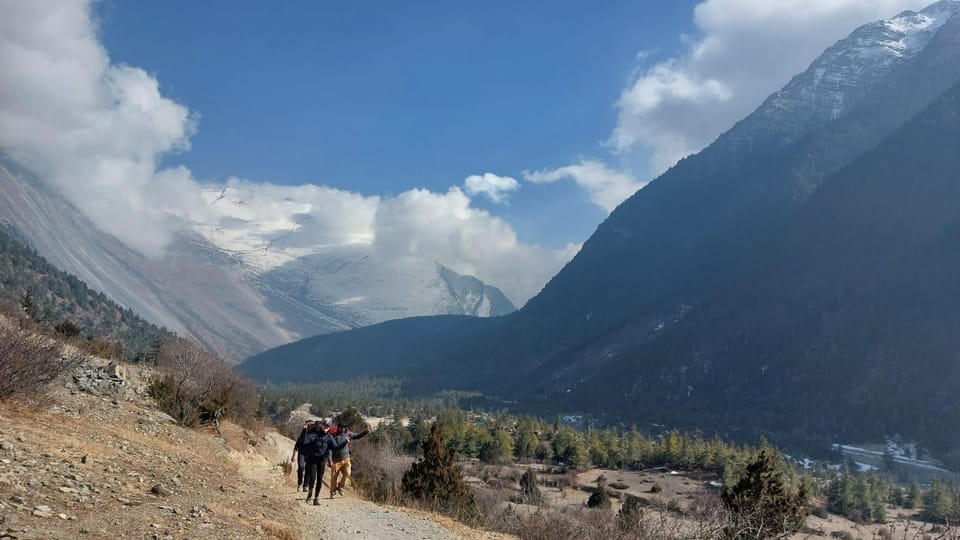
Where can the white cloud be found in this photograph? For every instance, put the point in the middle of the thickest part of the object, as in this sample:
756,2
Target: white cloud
92,129
606,187
445,227
96,131
743,51
496,188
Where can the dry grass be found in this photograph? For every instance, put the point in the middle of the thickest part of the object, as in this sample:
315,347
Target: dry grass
280,531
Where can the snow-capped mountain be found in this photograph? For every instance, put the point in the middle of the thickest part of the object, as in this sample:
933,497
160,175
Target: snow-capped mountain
238,287
839,78
325,288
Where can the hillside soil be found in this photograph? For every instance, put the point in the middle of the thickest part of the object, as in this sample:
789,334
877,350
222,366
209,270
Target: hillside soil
78,465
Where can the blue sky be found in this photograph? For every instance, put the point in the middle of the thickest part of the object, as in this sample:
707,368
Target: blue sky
381,97
489,137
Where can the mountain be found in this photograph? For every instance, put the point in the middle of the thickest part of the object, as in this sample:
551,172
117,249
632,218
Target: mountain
233,294
791,279
59,298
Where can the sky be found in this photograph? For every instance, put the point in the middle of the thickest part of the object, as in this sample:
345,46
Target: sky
492,137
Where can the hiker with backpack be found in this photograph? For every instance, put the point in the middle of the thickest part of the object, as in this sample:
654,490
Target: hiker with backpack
300,457
316,447
339,438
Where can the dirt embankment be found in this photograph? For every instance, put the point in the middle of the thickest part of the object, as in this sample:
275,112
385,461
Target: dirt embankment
111,466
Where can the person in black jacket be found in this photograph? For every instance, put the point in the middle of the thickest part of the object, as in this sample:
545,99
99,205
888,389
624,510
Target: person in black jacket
300,457
338,440
317,449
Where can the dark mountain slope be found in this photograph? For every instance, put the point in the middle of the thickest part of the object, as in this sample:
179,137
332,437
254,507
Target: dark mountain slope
61,297
715,297
672,241
846,322
414,343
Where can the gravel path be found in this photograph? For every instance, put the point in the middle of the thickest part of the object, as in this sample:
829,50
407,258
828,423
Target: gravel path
347,517
350,518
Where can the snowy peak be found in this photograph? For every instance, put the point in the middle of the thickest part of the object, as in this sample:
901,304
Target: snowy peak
836,81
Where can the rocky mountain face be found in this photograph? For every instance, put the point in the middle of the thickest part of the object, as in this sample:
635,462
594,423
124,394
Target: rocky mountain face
229,299
792,278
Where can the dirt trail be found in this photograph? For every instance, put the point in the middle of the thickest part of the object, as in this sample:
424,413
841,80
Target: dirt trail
349,518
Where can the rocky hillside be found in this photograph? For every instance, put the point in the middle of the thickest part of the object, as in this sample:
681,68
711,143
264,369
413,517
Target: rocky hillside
90,466
96,459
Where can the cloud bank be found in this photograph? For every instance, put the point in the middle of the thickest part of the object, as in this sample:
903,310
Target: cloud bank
742,51
96,132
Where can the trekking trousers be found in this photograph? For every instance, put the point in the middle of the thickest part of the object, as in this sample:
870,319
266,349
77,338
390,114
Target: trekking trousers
314,476
301,468
340,472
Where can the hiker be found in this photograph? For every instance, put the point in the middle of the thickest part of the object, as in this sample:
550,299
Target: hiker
316,446
299,456
339,438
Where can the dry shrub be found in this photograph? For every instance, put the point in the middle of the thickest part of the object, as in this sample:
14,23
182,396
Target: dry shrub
377,472
706,519
197,387
280,531
30,361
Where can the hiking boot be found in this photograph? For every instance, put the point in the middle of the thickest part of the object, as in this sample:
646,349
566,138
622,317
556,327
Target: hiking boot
340,492
308,497
316,502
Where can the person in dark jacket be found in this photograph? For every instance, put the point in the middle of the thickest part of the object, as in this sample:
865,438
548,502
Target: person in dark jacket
338,440
300,457
317,449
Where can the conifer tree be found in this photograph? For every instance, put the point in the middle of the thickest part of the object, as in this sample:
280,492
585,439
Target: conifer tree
529,489
437,481
762,503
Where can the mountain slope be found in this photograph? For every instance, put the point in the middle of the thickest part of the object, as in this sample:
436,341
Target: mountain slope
194,292
60,297
226,298
692,291
844,324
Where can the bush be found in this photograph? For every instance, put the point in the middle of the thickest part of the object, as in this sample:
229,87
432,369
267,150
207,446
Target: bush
196,387
30,361
655,488
599,498
378,472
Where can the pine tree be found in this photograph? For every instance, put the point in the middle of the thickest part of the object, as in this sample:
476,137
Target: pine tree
529,489
29,305
435,479
762,503
914,499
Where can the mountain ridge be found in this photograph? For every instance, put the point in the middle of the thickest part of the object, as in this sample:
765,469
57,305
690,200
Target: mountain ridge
202,291
645,299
